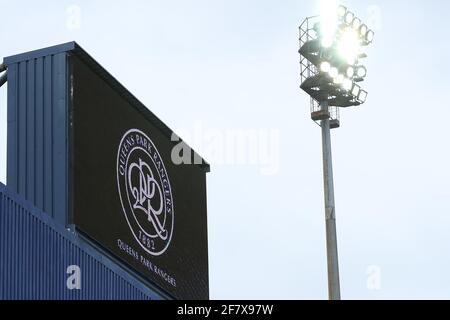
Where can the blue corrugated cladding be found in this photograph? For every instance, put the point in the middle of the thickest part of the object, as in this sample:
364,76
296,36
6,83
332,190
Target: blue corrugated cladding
37,132
35,253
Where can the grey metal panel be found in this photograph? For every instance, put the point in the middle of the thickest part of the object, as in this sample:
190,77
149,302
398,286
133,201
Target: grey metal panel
31,132
37,132
12,128
35,253
48,141
22,129
39,112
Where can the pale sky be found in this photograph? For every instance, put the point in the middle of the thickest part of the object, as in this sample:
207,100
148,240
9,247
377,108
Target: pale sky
217,67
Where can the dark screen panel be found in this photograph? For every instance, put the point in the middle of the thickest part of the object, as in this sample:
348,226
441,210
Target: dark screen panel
128,195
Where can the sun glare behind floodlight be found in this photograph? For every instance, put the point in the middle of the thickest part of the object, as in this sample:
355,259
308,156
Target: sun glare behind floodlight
350,72
325,37
326,42
334,72
339,79
347,85
325,67
349,45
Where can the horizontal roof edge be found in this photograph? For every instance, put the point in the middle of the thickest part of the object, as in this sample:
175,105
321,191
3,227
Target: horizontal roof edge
73,47
40,53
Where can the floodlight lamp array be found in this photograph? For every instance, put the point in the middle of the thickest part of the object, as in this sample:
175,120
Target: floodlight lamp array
335,67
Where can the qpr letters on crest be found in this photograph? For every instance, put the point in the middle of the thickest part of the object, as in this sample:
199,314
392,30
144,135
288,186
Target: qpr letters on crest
145,192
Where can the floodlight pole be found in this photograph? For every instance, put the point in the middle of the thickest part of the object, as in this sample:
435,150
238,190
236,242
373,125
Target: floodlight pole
334,290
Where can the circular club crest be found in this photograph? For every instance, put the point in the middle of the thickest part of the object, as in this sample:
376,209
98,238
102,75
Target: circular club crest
145,192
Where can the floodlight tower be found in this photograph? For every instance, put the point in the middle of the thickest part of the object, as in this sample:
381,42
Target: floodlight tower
331,49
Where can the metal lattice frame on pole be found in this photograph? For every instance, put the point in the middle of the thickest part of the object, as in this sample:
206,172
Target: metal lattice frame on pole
308,70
